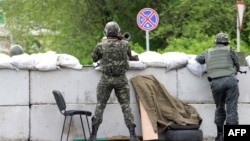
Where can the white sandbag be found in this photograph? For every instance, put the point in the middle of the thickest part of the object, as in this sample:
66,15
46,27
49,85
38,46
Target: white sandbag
175,60
45,61
248,60
152,59
137,65
195,67
191,55
23,61
68,61
6,62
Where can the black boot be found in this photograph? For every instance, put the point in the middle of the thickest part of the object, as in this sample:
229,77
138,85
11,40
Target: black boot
93,134
132,134
219,134
219,137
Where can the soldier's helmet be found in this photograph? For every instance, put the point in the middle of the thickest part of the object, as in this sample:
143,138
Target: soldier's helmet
16,50
112,29
222,38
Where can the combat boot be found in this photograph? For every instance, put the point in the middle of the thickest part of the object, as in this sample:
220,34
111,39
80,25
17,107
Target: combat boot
132,134
219,136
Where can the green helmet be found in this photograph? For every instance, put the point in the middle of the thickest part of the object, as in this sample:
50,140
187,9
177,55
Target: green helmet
111,29
16,50
222,38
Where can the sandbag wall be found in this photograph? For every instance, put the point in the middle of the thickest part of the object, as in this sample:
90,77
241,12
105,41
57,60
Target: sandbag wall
28,110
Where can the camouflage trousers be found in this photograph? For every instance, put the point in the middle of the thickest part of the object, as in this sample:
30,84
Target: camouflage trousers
226,94
122,91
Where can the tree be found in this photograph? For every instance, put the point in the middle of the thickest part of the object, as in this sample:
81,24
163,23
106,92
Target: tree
75,26
63,26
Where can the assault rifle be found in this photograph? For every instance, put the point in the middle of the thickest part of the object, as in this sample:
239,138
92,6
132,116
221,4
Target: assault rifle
242,71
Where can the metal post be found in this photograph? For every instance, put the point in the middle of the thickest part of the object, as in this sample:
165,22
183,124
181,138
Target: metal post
238,35
147,40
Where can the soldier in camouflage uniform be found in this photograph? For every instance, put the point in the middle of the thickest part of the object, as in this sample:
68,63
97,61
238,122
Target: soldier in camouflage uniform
222,67
114,54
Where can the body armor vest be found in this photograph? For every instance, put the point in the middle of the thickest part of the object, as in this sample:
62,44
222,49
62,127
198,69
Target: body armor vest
219,62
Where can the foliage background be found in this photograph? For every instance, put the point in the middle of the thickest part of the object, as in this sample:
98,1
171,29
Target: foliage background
75,26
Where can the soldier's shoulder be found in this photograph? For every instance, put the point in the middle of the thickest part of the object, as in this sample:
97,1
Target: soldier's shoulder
124,42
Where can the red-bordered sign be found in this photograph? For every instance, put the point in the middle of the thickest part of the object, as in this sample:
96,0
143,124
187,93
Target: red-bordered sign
240,12
147,19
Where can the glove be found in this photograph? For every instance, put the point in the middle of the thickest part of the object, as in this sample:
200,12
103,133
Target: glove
134,58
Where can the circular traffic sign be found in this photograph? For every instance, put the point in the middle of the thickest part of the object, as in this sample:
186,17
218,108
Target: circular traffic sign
147,19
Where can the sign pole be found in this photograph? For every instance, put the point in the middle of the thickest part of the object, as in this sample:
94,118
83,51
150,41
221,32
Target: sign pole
238,36
147,40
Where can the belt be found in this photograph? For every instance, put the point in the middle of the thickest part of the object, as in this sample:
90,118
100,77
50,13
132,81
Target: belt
112,74
210,79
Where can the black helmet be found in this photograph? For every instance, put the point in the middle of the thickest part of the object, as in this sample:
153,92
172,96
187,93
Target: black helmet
111,29
222,38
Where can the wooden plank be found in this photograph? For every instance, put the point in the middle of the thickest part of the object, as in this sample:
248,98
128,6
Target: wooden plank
147,128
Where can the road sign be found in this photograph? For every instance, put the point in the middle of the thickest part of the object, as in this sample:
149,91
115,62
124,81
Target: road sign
147,19
240,10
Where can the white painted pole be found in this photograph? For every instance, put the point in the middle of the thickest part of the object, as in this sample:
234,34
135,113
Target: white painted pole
238,35
147,40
